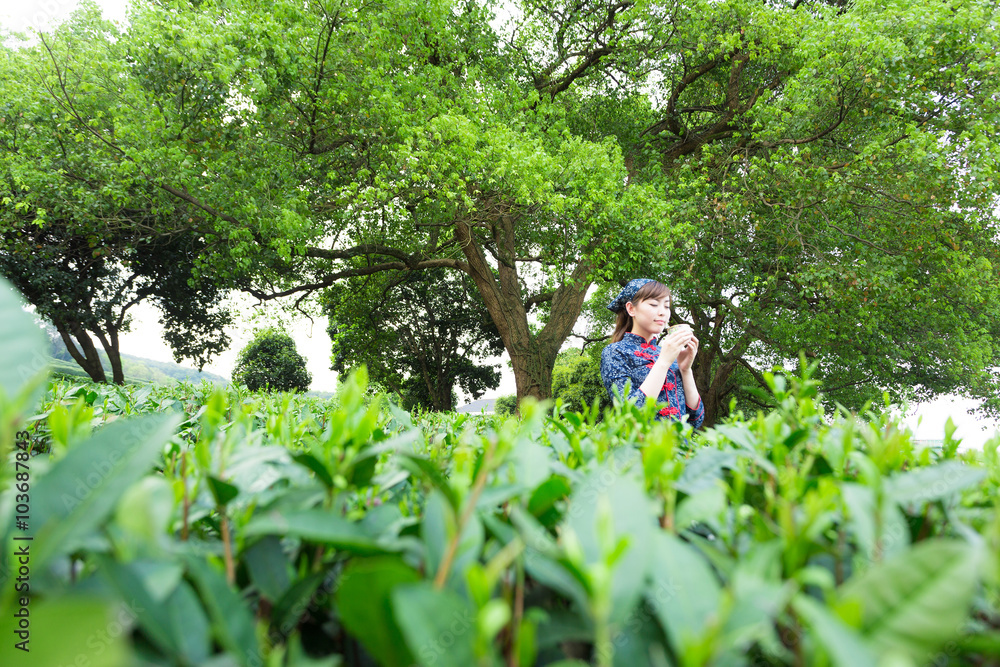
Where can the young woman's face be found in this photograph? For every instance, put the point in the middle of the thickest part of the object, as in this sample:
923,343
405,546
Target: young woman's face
649,317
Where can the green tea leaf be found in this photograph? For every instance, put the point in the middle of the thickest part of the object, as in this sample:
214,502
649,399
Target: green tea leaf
923,485
83,487
232,624
439,626
421,467
705,506
893,536
222,491
189,623
685,593
295,602
310,461
363,468
543,499
25,350
151,613
318,526
916,601
145,509
437,529
268,566
65,630
703,469
366,610
843,644
604,508
541,556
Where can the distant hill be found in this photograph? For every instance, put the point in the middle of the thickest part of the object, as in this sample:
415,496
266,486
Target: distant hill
321,394
483,405
139,368
135,368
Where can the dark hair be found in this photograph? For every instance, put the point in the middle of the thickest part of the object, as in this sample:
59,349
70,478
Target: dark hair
651,290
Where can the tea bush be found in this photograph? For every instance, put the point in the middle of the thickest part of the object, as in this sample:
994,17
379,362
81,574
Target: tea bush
194,525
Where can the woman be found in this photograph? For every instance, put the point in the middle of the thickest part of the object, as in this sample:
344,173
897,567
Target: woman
659,372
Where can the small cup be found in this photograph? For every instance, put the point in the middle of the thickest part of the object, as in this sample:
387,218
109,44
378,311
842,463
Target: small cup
678,327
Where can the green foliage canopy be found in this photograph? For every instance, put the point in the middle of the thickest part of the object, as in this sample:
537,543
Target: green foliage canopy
810,176
270,361
576,378
419,333
82,235
505,405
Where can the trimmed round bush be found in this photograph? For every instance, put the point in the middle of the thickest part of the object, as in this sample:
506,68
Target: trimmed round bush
270,361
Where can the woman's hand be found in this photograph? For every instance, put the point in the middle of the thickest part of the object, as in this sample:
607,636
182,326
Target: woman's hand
672,347
686,356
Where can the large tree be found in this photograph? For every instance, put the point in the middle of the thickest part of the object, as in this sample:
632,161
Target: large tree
807,175
83,237
420,333
844,160
357,140
87,286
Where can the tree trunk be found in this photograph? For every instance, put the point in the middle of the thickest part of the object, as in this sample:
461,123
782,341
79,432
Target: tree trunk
532,371
442,376
714,395
438,387
532,357
88,359
713,367
444,396
114,354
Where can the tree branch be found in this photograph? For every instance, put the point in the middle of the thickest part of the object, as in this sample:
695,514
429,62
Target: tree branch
537,299
588,341
331,278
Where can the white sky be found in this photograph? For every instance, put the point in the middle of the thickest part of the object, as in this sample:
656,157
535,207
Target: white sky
21,15
927,419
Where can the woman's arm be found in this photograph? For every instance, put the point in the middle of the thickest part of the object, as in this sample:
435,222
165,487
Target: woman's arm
616,374
684,360
696,413
691,394
670,350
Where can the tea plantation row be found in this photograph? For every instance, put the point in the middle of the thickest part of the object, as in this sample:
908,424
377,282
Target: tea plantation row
192,526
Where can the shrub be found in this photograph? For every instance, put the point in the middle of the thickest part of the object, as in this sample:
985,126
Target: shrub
505,405
270,361
576,379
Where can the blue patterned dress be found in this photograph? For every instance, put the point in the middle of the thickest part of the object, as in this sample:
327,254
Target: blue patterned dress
630,359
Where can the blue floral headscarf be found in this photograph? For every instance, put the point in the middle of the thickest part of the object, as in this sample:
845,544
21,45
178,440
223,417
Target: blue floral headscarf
627,294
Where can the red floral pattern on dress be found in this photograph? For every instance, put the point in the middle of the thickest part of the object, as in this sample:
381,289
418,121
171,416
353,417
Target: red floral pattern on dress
617,371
